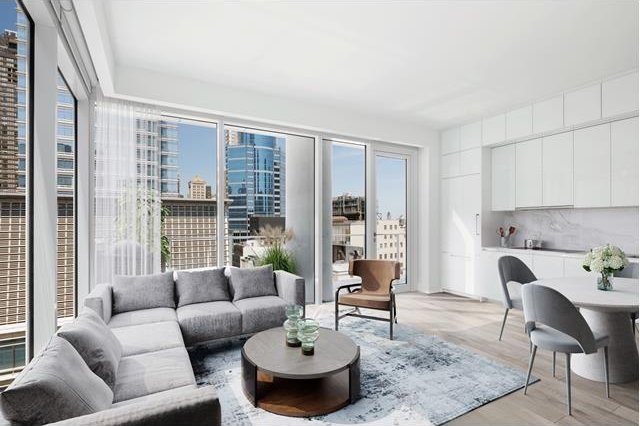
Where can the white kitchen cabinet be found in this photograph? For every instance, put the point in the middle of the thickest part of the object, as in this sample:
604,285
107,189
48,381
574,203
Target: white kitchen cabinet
557,170
453,273
470,161
582,105
493,129
519,122
620,95
529,173
548,114
450,165
487,282
471,135
464,207
624,162
503,165
450,141
547,266
446,223
573,268
592,166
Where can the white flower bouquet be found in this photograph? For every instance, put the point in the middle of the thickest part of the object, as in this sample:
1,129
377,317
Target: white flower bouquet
605,261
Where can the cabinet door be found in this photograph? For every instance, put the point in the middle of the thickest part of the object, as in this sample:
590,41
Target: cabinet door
582,105
450,165
487,277
446,228
471,135
453,273
450,141
470,161
493,130
592,166
620,95
548,266
468,205
548,114
529,173
624,162
519,122
557,170
503,178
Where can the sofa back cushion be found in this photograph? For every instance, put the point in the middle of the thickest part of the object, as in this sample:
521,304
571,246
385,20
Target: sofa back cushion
252,282
136,292
96,344
54,386
199,286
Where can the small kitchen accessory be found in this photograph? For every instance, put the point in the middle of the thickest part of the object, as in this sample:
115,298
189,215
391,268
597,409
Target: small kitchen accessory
505,234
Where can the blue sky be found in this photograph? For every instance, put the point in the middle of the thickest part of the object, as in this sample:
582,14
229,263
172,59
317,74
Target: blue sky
8,15
198,154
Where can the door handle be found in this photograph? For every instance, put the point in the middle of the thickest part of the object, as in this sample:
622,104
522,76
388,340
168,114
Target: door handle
477,217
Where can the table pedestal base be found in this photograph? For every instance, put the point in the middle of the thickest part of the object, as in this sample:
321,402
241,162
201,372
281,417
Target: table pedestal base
623,352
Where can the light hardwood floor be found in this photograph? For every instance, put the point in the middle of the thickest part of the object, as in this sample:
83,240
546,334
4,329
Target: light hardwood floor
476,325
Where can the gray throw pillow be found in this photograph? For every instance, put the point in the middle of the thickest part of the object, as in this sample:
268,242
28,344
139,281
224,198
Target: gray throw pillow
207,285
55,385
136,292
96,344
252,282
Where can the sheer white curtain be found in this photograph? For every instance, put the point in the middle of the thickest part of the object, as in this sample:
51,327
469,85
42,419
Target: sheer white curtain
127,193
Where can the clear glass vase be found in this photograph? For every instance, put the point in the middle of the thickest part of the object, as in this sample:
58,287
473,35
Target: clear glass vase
605,282
293,313
308,332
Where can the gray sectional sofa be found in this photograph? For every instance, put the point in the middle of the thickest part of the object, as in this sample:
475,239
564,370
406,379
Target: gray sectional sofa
123,361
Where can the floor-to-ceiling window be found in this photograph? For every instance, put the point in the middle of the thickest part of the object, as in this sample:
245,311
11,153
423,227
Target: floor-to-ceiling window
348,207
15,138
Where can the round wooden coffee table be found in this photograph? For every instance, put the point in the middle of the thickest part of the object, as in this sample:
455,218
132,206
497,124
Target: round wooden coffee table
282,380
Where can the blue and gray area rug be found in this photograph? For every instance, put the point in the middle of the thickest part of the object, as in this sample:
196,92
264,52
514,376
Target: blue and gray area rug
415,379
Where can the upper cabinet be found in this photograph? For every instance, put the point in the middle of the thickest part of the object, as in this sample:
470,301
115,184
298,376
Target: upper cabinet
519,122
548,115
529,173
494,129
624,162
557,170
582,105
503,173
620,95
592,166
471,135
450,141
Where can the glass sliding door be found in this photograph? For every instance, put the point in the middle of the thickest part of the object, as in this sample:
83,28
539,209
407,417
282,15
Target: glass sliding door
270,182
391,210
348,208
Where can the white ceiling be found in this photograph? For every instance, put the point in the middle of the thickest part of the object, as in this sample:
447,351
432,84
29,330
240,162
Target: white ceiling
434,63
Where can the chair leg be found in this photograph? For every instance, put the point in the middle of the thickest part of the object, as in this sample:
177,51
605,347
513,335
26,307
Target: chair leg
606,370
391,324
336,315
395,310
504,321
568,367
531,358
553,364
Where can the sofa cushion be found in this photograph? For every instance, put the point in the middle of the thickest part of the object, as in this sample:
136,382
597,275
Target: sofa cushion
152,372
261,313
96,344
208,321
252,282
135,292
55,385
144,316
207,285
138,339
168,393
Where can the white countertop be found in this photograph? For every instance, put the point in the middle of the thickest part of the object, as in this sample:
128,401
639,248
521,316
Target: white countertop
554,252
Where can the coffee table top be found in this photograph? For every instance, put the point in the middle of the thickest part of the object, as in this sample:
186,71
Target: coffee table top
334,352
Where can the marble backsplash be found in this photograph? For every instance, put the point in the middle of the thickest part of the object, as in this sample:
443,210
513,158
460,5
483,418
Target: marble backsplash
577,229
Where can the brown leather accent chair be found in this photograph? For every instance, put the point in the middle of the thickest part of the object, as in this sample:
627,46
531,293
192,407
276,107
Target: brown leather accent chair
375,291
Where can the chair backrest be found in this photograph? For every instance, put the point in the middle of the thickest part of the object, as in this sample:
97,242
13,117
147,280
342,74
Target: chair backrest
377,275
544,305
630,271
511,268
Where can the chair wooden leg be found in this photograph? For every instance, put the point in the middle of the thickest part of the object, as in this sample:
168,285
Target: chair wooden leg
531,358
504,321
568,367
553,365
606,370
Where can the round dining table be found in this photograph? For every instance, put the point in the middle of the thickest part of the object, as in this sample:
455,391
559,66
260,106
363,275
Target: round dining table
607,311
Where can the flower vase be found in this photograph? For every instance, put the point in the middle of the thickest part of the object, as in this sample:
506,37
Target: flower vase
294,314
504,242
308,333
605,282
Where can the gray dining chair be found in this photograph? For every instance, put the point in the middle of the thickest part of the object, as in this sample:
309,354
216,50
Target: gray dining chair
555,324
512,269
630,271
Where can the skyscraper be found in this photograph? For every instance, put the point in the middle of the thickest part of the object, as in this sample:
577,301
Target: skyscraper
198,189
9,111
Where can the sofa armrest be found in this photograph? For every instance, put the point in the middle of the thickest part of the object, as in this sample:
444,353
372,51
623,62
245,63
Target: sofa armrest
100,300
199,406
290,287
